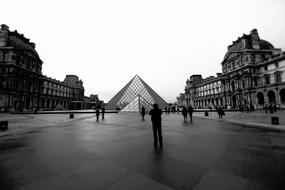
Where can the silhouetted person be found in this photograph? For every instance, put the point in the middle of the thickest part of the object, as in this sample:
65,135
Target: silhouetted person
190,111
221,112
184,113
265,108
275,108
143,112
252,107
97,114
103,113
156,124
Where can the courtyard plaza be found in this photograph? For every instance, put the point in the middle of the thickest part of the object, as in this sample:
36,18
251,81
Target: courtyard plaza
52,151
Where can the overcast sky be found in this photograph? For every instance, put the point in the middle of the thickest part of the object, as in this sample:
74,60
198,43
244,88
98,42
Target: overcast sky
107,42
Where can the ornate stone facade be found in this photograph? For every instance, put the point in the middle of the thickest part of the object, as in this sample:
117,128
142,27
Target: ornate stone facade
20,72
202,93
252,74
22,85
57,95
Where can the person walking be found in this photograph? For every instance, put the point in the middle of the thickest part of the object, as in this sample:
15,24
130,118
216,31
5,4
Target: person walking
143,112
190,111
184,113
156,125
97,114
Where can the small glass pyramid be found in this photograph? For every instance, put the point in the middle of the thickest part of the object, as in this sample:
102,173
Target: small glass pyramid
134,95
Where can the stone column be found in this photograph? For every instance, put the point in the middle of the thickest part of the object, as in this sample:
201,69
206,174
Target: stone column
265,97
277,95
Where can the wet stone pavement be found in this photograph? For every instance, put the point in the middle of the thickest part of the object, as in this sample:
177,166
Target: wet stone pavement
54,152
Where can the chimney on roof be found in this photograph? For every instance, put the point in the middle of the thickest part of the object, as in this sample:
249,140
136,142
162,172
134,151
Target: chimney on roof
4,35
255,39
33,45
4,27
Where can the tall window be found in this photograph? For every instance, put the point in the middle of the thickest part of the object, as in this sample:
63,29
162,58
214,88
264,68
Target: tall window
255,82
278,77
267,79
276,64
265,68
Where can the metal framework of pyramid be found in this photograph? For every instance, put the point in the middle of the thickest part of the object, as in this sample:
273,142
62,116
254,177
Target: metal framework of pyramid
134,95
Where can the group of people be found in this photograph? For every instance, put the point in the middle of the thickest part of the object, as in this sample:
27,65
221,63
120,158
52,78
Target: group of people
185,111
246,108
271,108
220,111
169,110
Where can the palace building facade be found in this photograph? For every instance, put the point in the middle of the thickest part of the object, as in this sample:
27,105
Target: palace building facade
253,73
22,85
202,93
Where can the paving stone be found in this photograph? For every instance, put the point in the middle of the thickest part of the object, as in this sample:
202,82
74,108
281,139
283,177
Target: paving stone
222,181
174,173
137,182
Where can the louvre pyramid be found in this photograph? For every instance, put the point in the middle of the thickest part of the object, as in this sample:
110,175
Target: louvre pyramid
134,95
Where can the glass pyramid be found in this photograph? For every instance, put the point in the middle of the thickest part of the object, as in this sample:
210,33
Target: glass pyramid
134,95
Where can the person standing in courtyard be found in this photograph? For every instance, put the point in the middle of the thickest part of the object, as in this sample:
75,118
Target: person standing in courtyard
190,111
265,108
156,125
184,113
143,112
221,112
97,114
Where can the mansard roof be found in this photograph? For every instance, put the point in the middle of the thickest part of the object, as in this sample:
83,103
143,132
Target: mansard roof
17,40
246,42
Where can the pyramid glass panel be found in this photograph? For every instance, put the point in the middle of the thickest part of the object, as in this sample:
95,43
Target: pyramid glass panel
135,95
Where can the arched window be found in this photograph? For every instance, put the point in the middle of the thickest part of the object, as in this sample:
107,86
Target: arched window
260,98
271,97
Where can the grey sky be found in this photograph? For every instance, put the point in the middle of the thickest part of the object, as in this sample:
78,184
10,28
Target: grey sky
108,42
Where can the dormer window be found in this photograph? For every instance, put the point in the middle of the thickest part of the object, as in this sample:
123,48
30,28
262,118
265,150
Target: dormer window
276,64
267,79
265,68
277,76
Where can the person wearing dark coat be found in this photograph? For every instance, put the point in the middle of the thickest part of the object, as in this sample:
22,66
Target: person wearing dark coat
221,112
190,111
156,125
143,112
97,114
184,113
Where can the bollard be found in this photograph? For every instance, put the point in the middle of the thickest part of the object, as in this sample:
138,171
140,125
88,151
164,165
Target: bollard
71,116
206,113
275,120
3,125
